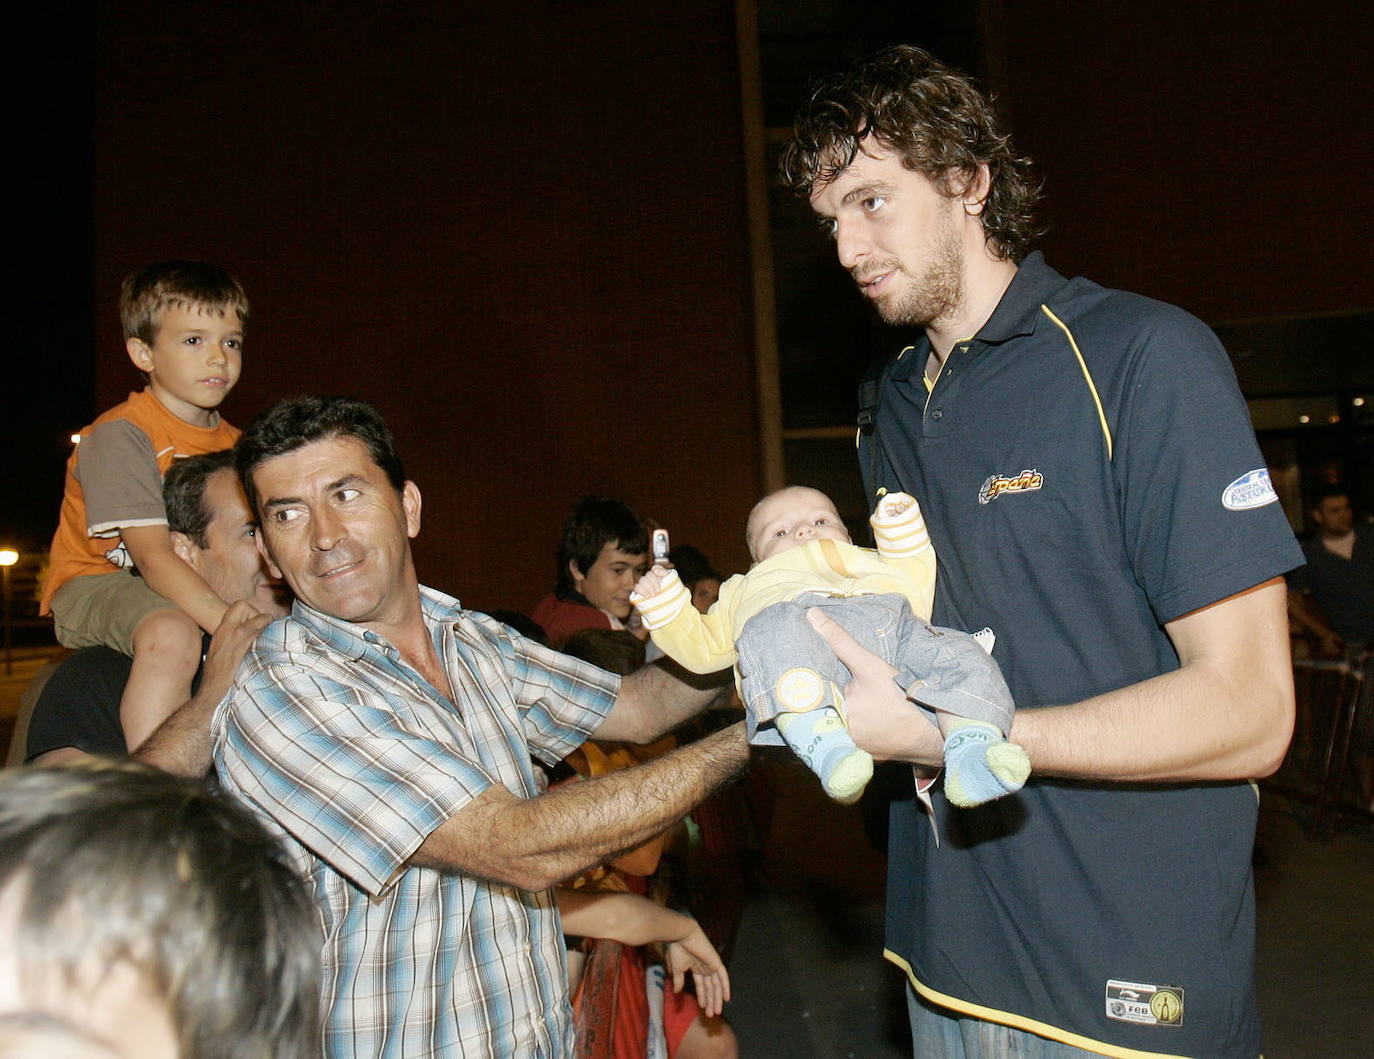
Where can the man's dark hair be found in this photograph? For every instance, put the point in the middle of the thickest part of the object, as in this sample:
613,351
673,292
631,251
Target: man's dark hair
297,421
183,492
691,565
115,862
617,651
1328,492
935,120
594,522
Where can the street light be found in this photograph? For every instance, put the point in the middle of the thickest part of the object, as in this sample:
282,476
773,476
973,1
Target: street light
8,557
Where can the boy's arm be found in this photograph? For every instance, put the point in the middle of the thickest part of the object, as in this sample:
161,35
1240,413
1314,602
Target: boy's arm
900,532
181,744
122,487
171,577
701,643
624,917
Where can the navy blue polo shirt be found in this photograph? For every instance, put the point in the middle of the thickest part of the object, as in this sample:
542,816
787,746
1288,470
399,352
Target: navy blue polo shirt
1088,472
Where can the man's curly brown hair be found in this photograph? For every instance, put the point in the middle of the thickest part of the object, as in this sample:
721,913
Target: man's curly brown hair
935,120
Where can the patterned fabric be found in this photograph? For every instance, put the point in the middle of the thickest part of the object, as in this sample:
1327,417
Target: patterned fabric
353,758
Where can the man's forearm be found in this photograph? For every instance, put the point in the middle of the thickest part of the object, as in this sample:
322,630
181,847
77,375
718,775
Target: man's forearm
534,842
656,699
181,744
1225,713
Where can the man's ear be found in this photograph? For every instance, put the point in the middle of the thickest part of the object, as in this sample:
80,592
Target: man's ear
140,354
972,192
410,503
260,540
577,575
185,548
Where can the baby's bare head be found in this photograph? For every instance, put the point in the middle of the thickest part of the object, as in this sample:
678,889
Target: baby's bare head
789,518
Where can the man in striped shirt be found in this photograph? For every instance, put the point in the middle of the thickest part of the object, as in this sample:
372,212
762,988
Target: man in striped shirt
386,735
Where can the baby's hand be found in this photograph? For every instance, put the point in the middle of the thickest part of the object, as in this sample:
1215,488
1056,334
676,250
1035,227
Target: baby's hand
651,584
894,504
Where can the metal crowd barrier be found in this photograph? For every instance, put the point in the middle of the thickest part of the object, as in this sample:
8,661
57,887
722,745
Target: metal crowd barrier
1330,762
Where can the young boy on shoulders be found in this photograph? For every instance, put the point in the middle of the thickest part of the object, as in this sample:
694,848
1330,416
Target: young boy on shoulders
113,576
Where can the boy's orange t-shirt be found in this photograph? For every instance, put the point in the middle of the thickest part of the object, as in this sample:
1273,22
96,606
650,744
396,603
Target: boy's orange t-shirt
114,479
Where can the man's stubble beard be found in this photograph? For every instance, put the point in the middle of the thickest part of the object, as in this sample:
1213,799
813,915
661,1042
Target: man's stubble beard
939,292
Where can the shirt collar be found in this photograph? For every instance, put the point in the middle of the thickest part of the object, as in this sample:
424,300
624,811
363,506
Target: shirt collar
352,640
1018,312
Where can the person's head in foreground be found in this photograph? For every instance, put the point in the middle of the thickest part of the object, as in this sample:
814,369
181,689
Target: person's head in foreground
790,518
148,916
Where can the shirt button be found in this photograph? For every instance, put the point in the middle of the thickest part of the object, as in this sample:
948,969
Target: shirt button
939,413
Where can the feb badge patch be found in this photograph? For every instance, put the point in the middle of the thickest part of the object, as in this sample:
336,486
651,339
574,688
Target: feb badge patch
1249,490
1145,1005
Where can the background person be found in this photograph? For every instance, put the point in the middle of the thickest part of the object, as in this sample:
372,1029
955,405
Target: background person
701,578
601,555
1332,597
213,532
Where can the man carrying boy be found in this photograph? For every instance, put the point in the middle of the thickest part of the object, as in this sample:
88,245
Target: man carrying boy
385,733
114,577
1093,489
77,712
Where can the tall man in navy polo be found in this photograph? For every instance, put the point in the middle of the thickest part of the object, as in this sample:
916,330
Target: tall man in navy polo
1097,501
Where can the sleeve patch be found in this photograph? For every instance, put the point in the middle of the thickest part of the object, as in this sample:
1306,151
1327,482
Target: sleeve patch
1250,490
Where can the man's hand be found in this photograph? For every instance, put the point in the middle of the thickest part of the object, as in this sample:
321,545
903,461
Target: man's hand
651,583
880,718
236,633
696,954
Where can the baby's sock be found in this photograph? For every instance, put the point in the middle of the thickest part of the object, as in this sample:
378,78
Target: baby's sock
981,765
821,739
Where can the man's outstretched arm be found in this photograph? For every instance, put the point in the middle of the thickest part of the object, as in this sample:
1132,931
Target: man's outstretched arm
1226,713
533,843
656,699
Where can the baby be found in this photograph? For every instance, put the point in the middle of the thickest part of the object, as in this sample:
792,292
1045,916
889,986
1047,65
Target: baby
790,681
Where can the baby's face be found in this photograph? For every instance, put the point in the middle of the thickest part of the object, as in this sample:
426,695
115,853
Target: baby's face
791,517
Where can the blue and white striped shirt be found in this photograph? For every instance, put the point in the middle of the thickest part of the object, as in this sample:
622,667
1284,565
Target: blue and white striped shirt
353,758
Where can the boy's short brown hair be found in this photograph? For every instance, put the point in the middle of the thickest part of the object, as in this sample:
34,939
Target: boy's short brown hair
176,284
